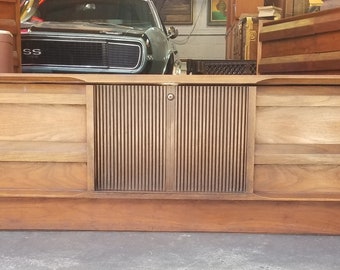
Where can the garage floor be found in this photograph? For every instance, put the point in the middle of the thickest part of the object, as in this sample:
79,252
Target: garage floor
185,251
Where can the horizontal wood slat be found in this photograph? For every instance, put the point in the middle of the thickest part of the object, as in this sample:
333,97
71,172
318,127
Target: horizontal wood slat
170,215
42,151
301,26
50,86
298,125
269,158
285,96
295,63
9,25
302,45
297,179
42,122
297,154
35,98
42,94
44,176
288,158
298,148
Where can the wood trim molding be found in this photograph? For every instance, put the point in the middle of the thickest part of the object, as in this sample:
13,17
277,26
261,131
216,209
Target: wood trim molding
169,215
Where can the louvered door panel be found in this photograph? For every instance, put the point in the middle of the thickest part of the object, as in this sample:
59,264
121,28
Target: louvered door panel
171,139
129,137
211,139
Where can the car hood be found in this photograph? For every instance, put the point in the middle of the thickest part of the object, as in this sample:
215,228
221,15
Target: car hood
83,27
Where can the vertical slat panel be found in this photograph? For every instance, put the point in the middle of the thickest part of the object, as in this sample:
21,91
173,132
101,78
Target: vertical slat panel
136,150
129,137
212,139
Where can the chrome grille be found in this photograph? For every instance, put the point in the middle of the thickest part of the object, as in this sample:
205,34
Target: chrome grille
125,55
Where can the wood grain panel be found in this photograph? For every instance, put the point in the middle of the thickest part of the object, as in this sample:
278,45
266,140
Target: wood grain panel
42,176
295,63
305,25
315,96
170,215
325,42
32,122
42,94
298,125
90,137
8,9
8,25
53,87
251,122
42,151
297,154
297,179
302,44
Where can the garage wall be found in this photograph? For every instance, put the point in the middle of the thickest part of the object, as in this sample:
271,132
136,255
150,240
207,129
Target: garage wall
328,4
200,41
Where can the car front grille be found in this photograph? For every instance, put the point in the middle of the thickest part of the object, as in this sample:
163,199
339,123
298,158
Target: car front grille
84,53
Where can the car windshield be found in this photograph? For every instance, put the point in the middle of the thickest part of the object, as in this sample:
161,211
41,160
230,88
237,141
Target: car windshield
136,13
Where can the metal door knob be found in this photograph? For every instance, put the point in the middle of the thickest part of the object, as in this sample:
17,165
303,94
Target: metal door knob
171,96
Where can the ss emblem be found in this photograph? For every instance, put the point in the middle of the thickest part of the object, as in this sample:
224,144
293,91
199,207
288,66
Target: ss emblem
29,52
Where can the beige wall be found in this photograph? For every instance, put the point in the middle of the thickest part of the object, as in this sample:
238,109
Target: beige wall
327,4
200,41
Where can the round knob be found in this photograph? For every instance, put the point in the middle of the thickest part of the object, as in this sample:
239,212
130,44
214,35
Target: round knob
171,96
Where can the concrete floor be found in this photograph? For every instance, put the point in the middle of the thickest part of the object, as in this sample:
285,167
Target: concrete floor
185,251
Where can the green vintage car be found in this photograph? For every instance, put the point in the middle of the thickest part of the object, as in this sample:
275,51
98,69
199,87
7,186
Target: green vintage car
96,36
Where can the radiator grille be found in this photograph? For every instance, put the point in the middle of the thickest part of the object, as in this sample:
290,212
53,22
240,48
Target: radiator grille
208,125
124,55
211,142
84,53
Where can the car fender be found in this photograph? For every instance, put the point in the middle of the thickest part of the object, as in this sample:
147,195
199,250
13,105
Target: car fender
161,49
